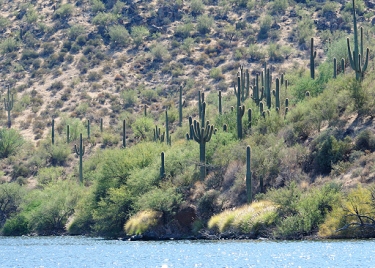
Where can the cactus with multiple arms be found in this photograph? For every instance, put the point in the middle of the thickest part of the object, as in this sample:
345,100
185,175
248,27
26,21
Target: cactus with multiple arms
202,135
80,152
158,136
356,58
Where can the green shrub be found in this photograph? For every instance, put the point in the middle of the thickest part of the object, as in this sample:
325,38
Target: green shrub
65,11
119,35
329,151
160,52
54,205
204,24
142,128
129,97
365,140
139,33
8,45
97,6
11,197
10,142
216,73
4,22
278,7
184,30
302,212
104,19
196,7
264,26
75,31
112,212
31,15
49,174
159,199
16,226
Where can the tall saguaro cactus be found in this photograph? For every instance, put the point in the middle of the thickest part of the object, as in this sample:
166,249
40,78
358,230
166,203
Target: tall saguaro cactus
167,135
53,131
240,109
123,134
248,177
202,135
8,106
162,166
180,104
312,59
356,58
80,152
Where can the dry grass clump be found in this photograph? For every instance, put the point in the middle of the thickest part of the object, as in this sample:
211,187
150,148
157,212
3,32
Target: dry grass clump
142,221
247,219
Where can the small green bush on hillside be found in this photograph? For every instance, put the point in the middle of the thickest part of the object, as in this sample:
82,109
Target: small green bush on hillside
10,142
8,45
119,36
204,24
64,12
139,33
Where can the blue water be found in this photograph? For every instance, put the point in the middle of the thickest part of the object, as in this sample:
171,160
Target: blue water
91,252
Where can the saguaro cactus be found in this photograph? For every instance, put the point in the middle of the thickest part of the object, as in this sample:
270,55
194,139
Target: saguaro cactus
158,136
277,94
101,125
88,128
248,176
356,58
312,59
240,110
220,107
124,134
8,106
80,152
334,68
67,134
53,131
162,166
180,104
202,135
167,136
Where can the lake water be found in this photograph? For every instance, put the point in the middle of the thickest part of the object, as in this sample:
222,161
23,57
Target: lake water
94,252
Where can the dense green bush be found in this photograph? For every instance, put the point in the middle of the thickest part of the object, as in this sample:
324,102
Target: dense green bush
65,11
11,197
139,33
204,24
365,140
48,211
328,151
301,212
119,36
10,142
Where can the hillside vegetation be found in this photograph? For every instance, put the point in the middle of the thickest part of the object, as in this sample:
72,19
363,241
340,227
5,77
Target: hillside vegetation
168,118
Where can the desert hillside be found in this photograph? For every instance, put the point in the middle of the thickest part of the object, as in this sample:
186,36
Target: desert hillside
151,117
